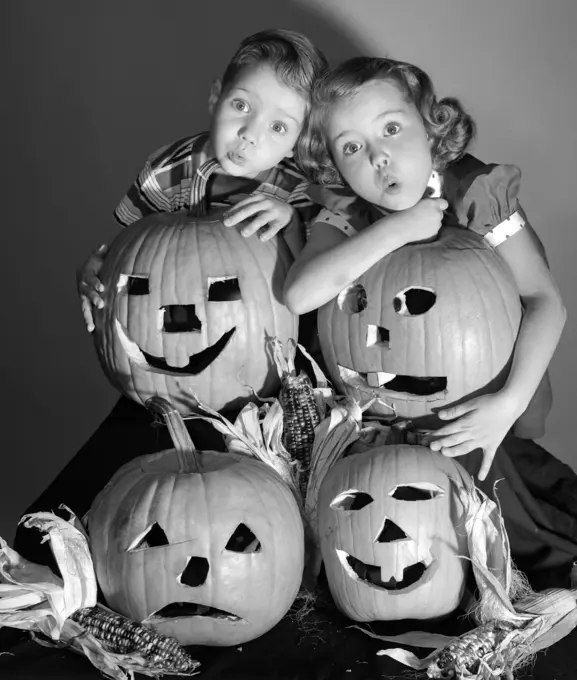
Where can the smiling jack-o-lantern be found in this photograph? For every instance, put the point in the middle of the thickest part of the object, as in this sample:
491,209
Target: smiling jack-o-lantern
189,304
391,530
207,547
428,326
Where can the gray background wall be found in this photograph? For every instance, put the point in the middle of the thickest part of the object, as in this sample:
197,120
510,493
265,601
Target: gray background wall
94,87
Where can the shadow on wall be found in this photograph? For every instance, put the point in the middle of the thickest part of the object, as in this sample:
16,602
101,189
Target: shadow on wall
94,89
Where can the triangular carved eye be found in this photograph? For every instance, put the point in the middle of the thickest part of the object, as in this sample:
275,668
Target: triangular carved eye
351,500
243,541
391,533
417,491
153,537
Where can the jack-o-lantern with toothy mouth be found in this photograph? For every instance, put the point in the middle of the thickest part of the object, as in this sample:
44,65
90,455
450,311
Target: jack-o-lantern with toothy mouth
428,326
392,533
189,304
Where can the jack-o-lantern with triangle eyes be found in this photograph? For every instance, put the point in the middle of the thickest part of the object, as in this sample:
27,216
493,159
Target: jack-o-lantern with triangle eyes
188,306
392,533
205,546
428,326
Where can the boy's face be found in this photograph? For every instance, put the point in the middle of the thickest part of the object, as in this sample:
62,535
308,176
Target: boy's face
379,144
255,122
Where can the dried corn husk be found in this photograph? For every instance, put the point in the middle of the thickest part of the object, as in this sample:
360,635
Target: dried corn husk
33,598
258,429
257,432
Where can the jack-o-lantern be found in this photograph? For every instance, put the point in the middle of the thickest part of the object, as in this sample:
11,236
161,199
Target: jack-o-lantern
391,531
426,327
189,304
207,547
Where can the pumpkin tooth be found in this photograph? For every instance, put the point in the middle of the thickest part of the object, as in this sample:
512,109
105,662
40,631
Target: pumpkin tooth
398,574
378,378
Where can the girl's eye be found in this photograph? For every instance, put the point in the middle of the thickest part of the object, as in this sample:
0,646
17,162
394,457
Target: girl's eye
392,128
240,105
350,148
279,128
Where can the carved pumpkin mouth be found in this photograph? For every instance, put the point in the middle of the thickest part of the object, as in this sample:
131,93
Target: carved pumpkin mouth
404,387
196,362
413,575
181,610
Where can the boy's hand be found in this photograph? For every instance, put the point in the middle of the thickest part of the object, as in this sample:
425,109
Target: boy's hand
264,210
422,221
90,286
482,423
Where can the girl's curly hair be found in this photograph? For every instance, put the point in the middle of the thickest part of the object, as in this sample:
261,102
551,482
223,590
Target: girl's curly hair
448,125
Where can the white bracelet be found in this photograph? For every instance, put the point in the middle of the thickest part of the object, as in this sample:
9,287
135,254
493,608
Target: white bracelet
505,229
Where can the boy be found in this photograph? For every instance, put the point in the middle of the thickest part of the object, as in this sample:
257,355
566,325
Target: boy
258,110
244,162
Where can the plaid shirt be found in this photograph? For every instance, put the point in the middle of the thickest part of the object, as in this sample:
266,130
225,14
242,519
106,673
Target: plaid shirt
164,184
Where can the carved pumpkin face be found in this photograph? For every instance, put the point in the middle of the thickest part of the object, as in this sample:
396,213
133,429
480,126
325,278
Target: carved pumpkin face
188,306
391,530
211,558
428,326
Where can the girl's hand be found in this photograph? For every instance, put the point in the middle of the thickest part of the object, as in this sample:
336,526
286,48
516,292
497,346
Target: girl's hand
90,286
482,423
264,210
422,221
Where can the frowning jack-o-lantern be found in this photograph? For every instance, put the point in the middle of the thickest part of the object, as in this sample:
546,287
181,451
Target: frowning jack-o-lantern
205,546
189,304
391,533
428,326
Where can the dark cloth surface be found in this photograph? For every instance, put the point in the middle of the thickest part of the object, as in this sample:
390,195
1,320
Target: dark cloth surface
539,503
320,647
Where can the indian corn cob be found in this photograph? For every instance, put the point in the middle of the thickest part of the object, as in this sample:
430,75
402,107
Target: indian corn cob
300,412
120,635
463,656
300,417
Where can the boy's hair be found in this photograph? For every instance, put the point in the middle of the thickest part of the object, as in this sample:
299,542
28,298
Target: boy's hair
293,57
448,125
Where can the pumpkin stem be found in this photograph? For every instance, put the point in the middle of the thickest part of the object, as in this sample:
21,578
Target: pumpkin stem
178,432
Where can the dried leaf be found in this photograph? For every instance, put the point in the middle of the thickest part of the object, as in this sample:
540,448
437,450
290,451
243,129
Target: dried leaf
333,435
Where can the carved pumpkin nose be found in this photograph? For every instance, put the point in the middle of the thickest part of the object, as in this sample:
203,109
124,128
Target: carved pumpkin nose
195,572
180,319
391,533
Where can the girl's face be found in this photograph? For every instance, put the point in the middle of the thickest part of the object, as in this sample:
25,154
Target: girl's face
379,144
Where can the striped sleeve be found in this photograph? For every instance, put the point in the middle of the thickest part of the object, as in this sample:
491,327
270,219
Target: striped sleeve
157,187
298,193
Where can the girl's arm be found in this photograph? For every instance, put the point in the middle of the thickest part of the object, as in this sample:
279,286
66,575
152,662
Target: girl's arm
543,319
484,421
331,260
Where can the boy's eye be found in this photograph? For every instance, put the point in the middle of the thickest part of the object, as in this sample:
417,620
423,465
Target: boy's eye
392,128
350,148
279,128
240,105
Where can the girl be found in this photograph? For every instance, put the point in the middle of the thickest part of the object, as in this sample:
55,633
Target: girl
378,127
